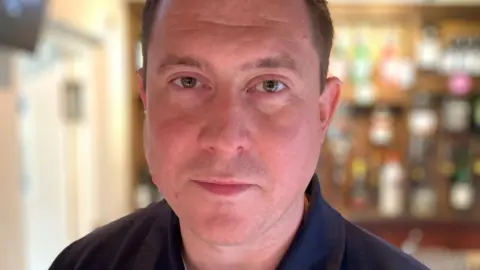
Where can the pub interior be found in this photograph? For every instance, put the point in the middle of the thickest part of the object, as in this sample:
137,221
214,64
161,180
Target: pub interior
401,158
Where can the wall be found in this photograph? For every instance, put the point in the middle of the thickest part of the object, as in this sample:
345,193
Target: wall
11,240
83,181
59,156
43,141
87,15
107,21
117,171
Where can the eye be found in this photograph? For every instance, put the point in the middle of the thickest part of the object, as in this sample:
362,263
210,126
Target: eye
270,86
187,82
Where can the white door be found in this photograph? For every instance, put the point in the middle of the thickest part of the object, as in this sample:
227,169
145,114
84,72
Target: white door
58,154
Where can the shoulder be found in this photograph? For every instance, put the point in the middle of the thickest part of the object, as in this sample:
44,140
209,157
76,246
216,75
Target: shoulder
103,248
363,250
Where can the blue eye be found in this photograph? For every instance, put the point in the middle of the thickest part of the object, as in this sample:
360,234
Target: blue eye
270,86
187,82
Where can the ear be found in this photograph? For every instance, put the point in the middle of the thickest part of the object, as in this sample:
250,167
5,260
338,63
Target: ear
141,87
328,101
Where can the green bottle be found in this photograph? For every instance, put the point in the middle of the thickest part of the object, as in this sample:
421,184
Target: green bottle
462,193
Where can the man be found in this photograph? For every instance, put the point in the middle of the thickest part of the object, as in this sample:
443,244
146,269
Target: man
237,106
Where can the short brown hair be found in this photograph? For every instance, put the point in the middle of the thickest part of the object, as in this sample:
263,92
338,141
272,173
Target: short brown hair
320,19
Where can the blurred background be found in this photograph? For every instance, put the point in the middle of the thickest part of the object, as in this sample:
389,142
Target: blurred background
402,157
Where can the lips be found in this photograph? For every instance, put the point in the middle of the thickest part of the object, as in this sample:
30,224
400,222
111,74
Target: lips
223,188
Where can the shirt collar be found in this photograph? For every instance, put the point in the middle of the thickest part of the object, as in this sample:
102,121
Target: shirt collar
319,241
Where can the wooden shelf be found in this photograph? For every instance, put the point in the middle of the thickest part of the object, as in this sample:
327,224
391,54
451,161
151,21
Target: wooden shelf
447,229
374,13
451,234
458,233
387,95
438,84
373,220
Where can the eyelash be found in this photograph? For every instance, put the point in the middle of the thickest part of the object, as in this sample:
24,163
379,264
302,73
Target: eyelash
254,87
180,78
269,78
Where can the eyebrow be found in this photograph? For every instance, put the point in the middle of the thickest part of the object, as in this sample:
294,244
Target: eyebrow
280,61
175,60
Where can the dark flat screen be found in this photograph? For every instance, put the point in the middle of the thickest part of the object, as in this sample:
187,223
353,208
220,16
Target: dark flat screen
20,23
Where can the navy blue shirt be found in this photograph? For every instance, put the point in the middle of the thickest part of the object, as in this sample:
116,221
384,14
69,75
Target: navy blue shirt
149,239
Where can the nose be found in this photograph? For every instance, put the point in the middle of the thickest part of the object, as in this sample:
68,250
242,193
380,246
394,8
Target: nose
225,129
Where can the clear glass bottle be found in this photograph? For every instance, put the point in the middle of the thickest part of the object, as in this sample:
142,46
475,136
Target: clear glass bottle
423,203
381,126
423,124
391,187
456,114
429,49
454,57
472,58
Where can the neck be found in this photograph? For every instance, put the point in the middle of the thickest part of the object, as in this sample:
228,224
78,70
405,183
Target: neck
265,252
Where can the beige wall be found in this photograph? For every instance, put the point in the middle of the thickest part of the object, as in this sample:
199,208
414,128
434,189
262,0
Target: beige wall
85,15
107,20
11,247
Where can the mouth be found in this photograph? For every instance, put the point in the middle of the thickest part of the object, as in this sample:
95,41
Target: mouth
222,188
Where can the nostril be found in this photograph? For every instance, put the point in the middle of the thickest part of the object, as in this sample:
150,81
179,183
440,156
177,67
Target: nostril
240,149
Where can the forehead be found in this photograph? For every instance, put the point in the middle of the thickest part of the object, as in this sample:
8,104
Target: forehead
240,12
228,26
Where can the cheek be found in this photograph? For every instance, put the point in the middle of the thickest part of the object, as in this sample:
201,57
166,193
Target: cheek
170,142
168,128
290,143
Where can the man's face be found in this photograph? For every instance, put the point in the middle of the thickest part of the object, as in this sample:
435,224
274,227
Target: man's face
235,119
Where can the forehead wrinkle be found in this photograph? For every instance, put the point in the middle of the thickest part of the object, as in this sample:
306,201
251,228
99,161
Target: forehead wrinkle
257,23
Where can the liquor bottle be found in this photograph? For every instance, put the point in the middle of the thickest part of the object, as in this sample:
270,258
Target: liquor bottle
391,187
423,203
422,124
453,60
361,72
475,116
389,60
422,120
381,126
472,57
428,51
475,170
339,139
362,62
456,112
472,61
339,57
359,195
462,192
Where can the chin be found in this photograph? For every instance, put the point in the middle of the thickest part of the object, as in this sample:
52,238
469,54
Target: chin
224,229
